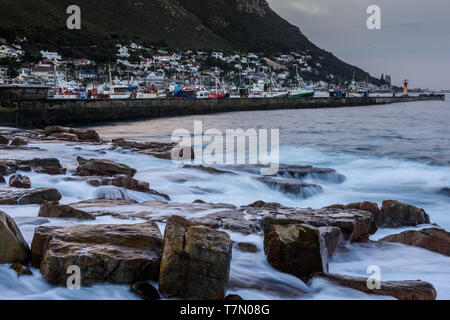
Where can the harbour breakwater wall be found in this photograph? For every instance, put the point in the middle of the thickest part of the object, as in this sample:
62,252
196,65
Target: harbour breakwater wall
29,107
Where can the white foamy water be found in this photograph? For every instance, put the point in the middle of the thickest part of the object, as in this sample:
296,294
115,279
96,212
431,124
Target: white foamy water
371,175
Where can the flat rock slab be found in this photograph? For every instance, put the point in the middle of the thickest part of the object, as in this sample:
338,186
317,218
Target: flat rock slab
50,166
102,167
401,290
433,239
161,150
355,225
51,209
121,254
28,196
150,210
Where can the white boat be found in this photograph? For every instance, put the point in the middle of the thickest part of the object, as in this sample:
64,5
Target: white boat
301,91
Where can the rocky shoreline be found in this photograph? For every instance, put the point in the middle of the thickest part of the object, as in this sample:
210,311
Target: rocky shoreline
184,250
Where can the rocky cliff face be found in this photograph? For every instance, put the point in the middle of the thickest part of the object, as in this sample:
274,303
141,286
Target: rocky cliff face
259,7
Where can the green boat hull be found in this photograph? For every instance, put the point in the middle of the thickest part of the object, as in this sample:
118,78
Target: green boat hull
303,95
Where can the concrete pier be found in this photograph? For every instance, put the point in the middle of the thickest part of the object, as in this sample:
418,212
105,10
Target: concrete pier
28,107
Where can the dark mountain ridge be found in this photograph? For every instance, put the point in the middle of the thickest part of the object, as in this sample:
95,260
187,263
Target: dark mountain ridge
242,25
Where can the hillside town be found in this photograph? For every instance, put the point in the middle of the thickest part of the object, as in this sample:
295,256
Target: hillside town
141,72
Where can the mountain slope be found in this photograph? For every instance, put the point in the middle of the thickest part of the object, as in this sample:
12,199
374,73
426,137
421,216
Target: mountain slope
249,25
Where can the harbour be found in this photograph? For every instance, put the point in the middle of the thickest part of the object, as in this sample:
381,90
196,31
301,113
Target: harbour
29,106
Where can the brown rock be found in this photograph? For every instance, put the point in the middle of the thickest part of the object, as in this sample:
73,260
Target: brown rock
20,269
51,209
50,166
355,225
299,250
18,142
145,291
2,179
102,167
65,136
82,135
195,261
121,254
4,140
31,196
231,220
397,214
167,151
433,239
369,207
247,247
13,247
19,181
402,290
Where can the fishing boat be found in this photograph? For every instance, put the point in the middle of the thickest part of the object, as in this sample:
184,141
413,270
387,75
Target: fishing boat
301,91
216,93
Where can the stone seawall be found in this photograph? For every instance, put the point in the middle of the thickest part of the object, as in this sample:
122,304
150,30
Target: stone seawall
43,112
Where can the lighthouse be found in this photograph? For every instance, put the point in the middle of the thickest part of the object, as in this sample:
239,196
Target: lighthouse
405,88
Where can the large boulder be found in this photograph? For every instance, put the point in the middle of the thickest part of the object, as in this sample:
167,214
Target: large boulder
102,167
195,261
50,166
82,135
20,181
369,207
121,254
299,250
13,247
433,239
29,196
402,290
398,214
52,209
355,225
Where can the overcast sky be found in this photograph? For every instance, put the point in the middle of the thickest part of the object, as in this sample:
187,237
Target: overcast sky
414,41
